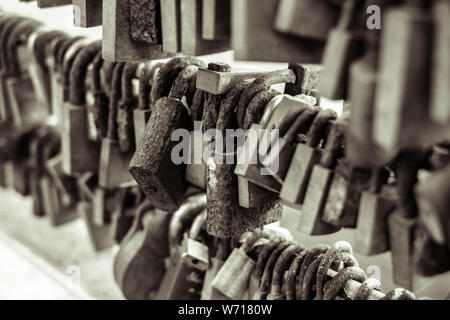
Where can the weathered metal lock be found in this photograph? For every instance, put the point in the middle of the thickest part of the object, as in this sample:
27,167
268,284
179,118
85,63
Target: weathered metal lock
216,19
402,222
372,234
171,25
113,167
195,253
87,13
192,40
161,176
319,184
131,30
233,278
141,115
343,46
341,208
138,267
79,153
363,81
175,284
254,38
433,202
52,3
101,236
215,264
440,75
399,115
299,18
60,193
305,157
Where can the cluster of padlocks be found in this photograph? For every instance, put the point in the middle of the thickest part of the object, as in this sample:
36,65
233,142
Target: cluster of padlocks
88,130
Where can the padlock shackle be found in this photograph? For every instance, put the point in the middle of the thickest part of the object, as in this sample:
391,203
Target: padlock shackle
264,256
68,61
186,78
294,270
307,283
366,287
319,126
228,106
128,74
114,101
270,109
167,75
257,106
146,80
336,284
40,44
251,239
97,66
260,83
266,279
282,264
399,294
197,104
78,72
9,24
309,258
60,54
197,225
302,122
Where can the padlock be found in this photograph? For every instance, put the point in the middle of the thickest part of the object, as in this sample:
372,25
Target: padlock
87,13
319,183
341,208
430,258
232,279
195,252
79,154
138,267
113,166
372,234
440,63
124,28
152,165
344,45
171,25
175,284
142,113
52,3
433,202
216,19
192,42
363,81
216,263
398,114
123,216
127,104
297,18
254,38
403,221
303,160
101,236
60,193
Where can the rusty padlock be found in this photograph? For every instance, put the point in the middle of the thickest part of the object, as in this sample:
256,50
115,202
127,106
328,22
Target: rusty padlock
160,175
113,167
344,45
303,160
319,183
372,234
79,153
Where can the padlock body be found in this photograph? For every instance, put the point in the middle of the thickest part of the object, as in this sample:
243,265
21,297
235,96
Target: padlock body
401,232
372,234
79,154
342,48
299,173
87,13
216,19
41,84
171,25
113,167
195,254
316,195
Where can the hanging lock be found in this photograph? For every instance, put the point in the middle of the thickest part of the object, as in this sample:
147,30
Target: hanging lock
52,3
298,18
216,19
305,157
195,252
162,178
372,234
319,183
171,25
